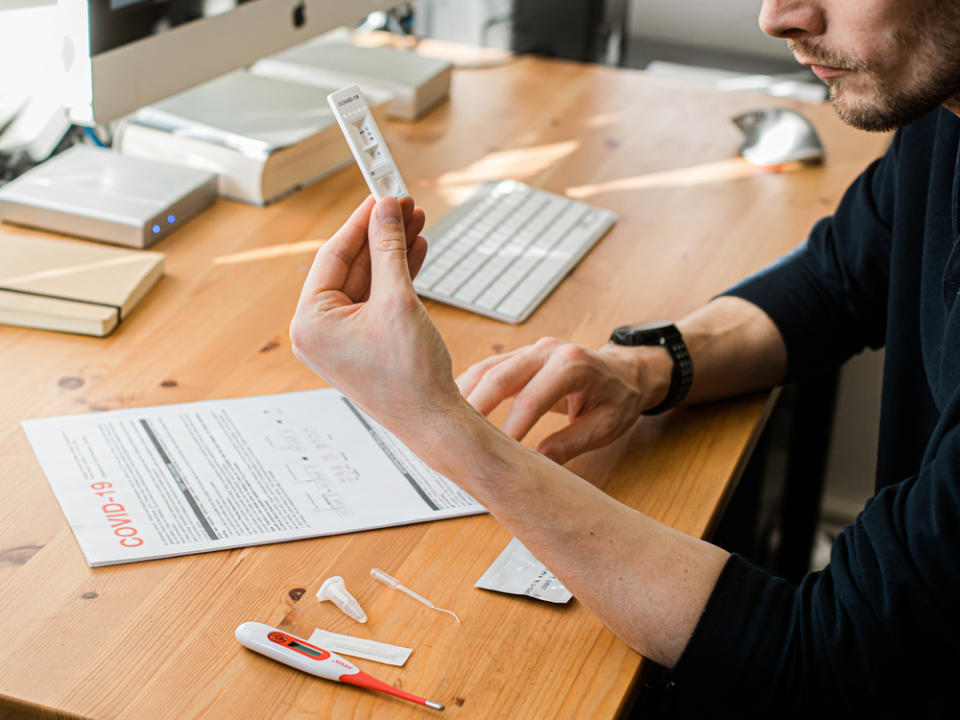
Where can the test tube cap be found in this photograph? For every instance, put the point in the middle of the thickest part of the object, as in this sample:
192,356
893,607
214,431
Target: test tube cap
335,590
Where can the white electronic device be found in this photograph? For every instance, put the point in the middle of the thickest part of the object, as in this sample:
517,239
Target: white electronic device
120,55
504,249
367,143
102,195
302,655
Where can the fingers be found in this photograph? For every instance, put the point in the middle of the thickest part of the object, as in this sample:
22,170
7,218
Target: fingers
333,270
546,376
504,379
389,272
558,378
357,284
592,430
416,255
541,376
469,379
415,226
535,355
413,220
407,205
333,262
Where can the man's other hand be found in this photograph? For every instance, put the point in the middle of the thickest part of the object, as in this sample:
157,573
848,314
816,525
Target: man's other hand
602,391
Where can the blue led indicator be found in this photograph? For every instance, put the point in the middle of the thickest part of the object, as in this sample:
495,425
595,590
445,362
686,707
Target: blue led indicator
171,219
156,229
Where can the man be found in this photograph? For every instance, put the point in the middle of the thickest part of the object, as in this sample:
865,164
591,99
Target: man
877,631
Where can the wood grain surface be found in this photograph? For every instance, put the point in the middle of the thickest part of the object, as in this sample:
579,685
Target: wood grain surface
155,639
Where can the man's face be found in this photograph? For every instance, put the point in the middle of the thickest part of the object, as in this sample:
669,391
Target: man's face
887,62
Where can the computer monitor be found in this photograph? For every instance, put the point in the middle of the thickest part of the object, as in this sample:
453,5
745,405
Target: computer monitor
120,55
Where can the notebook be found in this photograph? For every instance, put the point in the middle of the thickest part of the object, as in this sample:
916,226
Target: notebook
71,285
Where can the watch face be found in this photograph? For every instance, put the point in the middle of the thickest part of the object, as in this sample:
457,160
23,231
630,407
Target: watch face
645,333
645,326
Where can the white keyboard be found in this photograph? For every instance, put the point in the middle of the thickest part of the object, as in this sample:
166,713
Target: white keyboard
502,251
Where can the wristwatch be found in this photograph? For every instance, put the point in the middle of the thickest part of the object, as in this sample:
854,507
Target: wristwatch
667,335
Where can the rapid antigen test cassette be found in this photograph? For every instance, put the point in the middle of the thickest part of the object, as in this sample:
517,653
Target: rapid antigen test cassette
366,143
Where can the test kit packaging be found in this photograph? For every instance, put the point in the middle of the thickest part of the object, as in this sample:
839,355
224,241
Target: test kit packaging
361,647
518,572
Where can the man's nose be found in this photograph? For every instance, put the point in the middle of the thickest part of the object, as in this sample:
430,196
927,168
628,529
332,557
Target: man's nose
792,19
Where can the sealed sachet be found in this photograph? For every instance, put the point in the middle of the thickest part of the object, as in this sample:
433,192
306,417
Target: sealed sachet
518,572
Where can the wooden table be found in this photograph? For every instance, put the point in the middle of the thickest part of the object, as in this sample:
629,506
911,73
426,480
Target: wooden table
155,639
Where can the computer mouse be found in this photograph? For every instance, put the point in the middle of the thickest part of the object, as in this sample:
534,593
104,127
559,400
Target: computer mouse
774,136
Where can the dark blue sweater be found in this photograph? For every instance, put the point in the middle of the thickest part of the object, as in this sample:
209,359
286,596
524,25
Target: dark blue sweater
879,628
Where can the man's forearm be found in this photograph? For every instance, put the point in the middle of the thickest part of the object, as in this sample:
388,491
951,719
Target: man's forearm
644,580
735,348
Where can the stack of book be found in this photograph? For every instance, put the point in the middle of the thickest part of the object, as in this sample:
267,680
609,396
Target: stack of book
415,83
264,137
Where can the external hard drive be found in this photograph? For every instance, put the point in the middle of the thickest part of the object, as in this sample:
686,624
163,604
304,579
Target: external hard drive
102,195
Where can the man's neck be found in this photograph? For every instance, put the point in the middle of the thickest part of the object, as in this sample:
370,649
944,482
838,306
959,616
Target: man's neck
953,105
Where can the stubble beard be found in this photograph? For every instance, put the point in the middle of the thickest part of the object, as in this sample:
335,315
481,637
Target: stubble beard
886,107
889,109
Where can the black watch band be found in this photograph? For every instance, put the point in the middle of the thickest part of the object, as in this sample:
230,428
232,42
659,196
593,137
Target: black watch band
667,335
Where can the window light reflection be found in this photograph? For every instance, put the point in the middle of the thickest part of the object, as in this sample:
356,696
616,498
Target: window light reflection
270,252
721,171
520,163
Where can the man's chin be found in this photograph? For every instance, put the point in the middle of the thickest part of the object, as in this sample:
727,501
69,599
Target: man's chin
870,117
865,119
883,112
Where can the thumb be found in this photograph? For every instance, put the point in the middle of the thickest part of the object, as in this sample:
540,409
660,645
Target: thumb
388,249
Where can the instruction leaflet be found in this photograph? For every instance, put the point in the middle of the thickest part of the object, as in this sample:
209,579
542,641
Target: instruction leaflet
154,482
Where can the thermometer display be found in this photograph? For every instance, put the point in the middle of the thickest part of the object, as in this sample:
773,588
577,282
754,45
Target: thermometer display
305,648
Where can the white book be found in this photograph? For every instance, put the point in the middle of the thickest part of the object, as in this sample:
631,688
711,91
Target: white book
264,137
415,82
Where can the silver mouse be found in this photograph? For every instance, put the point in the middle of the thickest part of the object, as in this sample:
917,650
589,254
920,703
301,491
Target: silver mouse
774,136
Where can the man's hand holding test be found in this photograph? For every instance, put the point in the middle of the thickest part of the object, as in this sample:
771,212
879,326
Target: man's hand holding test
359,324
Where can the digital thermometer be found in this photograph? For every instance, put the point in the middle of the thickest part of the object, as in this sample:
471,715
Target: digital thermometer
299,654
366,143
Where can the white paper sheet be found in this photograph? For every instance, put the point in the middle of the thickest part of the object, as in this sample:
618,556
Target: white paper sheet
146,483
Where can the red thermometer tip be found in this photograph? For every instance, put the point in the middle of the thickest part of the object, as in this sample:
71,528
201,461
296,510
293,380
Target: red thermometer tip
361,679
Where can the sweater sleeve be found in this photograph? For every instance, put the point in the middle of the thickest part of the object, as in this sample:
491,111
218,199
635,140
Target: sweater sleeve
828,297
878,628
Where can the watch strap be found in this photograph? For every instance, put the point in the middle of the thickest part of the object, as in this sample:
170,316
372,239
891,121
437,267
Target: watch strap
682,376
667,335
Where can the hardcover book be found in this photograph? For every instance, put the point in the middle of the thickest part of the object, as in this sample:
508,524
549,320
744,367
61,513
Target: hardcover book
71,285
